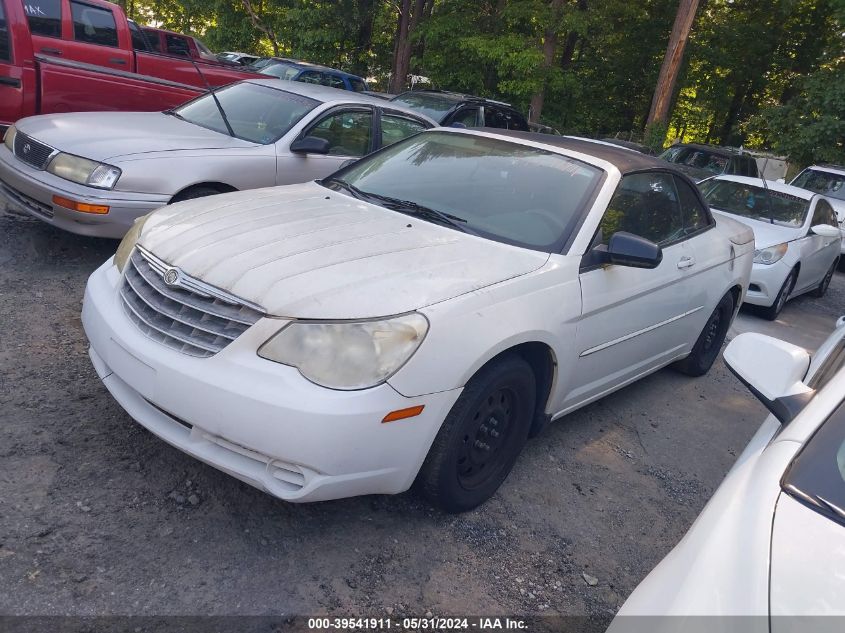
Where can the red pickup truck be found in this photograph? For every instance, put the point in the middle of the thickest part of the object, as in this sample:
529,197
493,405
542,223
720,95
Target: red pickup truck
82,55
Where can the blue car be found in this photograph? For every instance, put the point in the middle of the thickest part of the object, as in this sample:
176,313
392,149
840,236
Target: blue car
295,70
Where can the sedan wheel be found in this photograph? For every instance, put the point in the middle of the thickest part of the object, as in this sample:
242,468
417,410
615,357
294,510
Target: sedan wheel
709,342
825,283
771,313
481,437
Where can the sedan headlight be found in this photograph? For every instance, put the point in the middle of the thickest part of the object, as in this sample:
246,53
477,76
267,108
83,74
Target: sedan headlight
84,171
347,355
770,254
9,138
124,249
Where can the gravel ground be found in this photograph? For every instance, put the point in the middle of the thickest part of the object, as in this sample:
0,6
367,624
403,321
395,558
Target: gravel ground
98,516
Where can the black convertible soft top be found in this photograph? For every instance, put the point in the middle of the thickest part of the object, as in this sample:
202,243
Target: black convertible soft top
625,160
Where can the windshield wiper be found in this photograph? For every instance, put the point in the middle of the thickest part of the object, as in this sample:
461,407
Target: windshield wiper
404,206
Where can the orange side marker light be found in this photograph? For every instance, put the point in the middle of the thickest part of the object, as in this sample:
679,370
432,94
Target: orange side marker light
403,414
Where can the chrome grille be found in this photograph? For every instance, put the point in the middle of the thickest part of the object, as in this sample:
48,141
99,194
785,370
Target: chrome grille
192,317
33,152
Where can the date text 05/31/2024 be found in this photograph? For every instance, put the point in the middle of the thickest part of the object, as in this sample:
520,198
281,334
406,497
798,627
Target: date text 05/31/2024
416,624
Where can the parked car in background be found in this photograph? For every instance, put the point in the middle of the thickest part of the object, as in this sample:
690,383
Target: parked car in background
243,59
452,108
293,70
179,45
540,128
828,180
704,161
414,316
637,147
771,541
75,55
796,237
95,173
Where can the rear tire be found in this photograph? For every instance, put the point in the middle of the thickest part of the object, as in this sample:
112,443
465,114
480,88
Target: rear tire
709,342
482,436
771,313
825,283
195,192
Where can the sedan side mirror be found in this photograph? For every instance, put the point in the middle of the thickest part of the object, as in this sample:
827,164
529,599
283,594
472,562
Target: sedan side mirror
825,230
310,145
627,249
773,370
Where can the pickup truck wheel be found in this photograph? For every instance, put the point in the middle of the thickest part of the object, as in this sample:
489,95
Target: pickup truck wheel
195,192
482,436
709,342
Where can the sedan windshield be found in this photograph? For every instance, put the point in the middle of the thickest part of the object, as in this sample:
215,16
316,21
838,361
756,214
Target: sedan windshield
501,190
697,158
756,203
823,182
256,113
433,106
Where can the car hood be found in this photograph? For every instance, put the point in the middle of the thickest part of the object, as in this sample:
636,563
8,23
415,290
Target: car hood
305,251
105,136
765,234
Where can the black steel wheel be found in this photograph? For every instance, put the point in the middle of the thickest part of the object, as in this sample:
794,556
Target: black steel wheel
706,348
482,436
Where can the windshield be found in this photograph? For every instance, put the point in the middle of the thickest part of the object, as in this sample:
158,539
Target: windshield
696,158
256,113
505,191
756,203
434,106
280,71
823,182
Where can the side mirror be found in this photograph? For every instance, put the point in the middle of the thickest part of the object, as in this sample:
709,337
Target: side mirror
773,370
627,249
825,230
310,145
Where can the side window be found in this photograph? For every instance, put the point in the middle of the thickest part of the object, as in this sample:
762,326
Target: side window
466,116
693,215
348,133
45,17
154,40
824,214
177,45
503,119
5,44
333,81
752,167
93,25
395,128
645,205
310,77
139,41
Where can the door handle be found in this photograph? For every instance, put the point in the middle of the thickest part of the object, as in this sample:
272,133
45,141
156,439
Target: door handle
51,51
117,60
686,262
10,81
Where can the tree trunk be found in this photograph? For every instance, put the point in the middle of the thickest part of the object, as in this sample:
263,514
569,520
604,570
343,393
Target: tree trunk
411,14
662,99
549,51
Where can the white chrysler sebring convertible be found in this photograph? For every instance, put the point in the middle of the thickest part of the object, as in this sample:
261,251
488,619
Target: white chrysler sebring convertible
414,317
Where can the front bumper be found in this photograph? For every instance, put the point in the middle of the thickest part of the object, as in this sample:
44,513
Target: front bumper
259,421
766,281
31,190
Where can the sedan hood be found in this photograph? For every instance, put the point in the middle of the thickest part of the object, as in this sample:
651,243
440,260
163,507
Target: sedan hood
104,136
765,234
305,251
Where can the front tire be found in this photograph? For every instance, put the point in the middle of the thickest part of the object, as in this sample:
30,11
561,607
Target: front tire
771,313
709,342
821,290
482,436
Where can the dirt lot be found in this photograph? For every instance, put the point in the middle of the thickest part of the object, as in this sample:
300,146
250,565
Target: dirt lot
97,516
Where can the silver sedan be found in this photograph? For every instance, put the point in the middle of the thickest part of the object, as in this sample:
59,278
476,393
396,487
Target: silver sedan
94,173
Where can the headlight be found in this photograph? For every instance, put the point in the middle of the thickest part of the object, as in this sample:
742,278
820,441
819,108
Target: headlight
347,355
770,254
124,249
9,138
84,171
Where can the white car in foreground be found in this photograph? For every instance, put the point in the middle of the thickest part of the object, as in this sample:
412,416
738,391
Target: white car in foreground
796,236
771,541
416,316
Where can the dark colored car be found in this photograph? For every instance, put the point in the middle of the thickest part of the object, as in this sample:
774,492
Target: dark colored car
295,70
703,161
450,108
637,147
